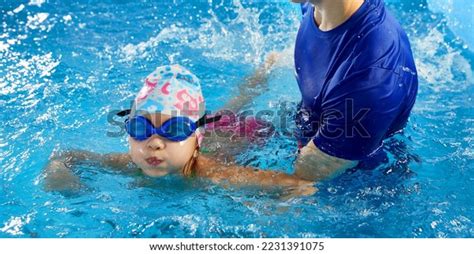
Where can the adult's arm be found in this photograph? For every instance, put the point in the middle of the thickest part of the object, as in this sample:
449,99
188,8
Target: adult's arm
357,114
313,164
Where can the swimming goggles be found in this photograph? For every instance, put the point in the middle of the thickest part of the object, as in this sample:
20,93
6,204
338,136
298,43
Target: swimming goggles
176,129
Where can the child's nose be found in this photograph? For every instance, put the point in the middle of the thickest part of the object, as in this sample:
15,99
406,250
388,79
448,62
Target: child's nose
156,143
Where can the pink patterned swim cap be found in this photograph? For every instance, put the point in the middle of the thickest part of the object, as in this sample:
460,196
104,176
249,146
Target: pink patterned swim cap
171,90
174,91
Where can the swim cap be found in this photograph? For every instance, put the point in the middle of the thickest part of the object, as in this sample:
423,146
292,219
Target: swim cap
171,90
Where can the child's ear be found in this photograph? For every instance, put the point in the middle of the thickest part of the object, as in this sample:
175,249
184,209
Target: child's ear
188,169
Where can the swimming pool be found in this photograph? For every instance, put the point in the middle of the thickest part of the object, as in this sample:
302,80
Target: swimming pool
61,63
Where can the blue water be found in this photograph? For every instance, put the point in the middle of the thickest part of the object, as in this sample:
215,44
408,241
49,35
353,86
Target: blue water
64,66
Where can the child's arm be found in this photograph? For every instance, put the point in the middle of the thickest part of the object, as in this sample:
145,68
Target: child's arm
248,176
59,176
253,85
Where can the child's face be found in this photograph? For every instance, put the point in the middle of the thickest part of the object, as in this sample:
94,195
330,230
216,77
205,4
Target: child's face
158,156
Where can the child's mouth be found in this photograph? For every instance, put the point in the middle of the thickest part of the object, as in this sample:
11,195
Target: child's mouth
153,161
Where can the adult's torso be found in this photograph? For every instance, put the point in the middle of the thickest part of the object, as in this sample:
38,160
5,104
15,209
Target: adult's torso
371,37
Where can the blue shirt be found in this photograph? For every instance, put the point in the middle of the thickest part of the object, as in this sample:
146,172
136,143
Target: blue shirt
358,81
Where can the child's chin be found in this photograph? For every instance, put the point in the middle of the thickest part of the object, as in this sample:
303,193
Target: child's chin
155,172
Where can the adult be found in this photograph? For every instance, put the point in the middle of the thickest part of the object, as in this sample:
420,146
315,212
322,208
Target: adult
358,82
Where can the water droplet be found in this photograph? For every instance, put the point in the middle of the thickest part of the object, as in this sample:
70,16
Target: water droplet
332,190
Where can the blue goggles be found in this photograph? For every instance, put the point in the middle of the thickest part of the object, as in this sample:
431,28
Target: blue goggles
175,129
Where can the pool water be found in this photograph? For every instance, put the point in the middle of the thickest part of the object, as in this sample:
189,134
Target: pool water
65,65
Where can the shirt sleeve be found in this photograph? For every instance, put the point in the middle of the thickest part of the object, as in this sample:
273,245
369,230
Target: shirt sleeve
357,113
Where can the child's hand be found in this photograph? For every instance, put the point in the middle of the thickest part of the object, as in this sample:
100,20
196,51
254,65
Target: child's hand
58,177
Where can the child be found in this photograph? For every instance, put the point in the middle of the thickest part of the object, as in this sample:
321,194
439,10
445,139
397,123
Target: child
165,128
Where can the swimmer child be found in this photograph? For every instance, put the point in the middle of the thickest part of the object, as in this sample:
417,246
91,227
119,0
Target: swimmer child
165,131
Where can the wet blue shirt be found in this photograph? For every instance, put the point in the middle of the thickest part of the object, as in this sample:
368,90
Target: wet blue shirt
358,81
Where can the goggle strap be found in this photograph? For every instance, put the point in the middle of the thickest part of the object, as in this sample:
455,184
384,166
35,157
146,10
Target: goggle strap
204,120
124,112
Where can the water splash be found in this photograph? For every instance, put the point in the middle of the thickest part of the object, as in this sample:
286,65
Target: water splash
243,38
440,65
62,71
